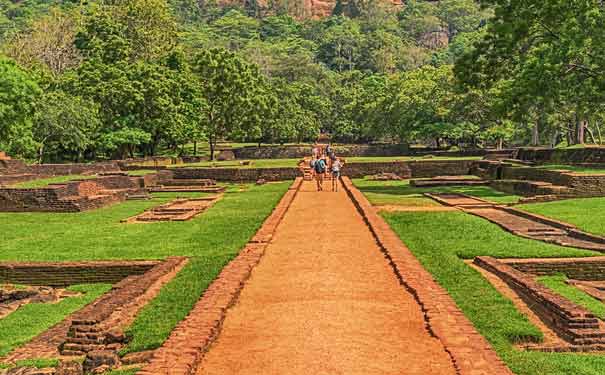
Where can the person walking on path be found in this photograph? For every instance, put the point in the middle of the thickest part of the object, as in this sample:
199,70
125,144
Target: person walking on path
320,169
336,166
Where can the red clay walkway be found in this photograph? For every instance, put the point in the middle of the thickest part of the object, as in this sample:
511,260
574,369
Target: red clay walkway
324,300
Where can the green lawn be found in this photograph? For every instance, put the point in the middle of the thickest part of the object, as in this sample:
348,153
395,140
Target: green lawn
291,163
42,182
557,284
586,213
30,320
212,239
401,193
51,180
441,240
573,168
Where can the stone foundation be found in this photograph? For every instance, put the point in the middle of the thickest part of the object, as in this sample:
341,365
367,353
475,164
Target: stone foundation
528,181
404,169
573,323
73,196
65,274
99,325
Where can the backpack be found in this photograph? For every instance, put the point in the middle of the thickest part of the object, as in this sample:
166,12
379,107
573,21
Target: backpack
320,166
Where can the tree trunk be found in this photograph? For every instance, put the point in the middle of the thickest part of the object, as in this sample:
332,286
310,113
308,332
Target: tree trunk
212,145
500,143
194,148
535,135
555,137
599,133
591,134
580,124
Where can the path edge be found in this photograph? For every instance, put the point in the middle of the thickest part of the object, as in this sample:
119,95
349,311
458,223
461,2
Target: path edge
189,341
471,353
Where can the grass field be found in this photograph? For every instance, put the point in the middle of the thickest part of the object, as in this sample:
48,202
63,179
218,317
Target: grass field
32,319
42,182
441,240
50,180
573,168
401,193
211,240
557,284
586,213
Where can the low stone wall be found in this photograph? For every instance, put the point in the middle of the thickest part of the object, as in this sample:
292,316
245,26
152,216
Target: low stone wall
16,171
73,196
574,323
71,273
155,162
590,269
405,169
237,174
588,155
516,178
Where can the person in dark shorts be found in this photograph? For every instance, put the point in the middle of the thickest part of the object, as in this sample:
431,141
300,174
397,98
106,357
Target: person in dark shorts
336,167
320,169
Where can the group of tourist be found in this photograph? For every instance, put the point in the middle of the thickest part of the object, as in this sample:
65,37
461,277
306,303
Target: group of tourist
325,162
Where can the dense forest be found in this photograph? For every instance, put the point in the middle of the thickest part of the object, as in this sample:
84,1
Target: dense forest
83,80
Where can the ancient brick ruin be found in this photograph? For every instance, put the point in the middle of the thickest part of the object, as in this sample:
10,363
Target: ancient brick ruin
168,181
522,223
536,182
177,210
579,328
100,325
74,196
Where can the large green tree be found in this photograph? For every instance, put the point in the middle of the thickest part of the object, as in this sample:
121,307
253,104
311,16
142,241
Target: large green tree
18,97
236,95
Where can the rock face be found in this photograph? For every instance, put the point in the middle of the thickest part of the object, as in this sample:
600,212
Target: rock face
300,9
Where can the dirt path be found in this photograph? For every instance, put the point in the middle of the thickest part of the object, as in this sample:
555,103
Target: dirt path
324,300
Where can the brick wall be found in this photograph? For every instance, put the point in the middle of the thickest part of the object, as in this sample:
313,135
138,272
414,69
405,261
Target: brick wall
592,268
74,196
33,171
65,274
154,162
564,316
425,168
592,155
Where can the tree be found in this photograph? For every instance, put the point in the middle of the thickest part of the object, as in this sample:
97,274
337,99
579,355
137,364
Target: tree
236,95
48,43
64,123
128,30
19,94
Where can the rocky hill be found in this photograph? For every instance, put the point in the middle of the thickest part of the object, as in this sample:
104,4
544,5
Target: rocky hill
302,9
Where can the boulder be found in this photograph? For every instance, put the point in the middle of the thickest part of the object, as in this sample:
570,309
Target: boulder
385,177
137,358
101,359
225,155
69,368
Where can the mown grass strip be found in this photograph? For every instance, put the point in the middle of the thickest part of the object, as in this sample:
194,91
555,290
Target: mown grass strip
402,193
42,182
585,213
557,284
30,320
441,240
